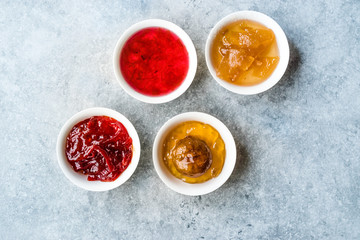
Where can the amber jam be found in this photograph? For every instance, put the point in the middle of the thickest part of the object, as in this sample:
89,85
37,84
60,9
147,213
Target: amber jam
154,61
194,152
244,53
99,147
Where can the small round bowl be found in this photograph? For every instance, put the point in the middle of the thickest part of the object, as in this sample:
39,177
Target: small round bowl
281,40
79,179
189,47
198,188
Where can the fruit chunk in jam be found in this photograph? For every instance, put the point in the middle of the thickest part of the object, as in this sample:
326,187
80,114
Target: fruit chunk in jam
244,53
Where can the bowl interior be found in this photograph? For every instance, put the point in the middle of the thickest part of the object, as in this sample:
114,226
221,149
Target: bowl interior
186,41
80,179
199,188
282,43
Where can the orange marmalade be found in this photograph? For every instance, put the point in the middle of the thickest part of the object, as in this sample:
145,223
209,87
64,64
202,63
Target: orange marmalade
204,132
244,53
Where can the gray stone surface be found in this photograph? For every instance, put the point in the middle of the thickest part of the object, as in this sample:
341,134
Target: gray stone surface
298,171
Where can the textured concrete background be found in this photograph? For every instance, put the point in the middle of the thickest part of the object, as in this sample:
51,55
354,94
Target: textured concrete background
298,170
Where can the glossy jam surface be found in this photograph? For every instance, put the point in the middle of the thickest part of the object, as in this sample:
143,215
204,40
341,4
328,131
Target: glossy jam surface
200,171
99,147
244,53
154,61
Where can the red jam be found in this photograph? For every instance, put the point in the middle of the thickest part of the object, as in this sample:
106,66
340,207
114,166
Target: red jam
99,147
154,61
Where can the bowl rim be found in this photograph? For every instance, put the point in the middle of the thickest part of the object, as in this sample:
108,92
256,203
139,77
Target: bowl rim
282,42
79,179
178,185
188,45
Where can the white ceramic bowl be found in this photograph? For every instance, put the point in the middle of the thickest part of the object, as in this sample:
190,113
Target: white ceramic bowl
80,179
198,188
282,43
186,41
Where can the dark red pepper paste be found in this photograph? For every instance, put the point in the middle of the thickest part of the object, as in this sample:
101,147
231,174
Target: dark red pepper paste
99,147
154,61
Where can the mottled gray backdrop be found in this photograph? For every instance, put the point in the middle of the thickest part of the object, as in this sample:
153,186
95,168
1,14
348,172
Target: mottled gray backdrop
298,171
